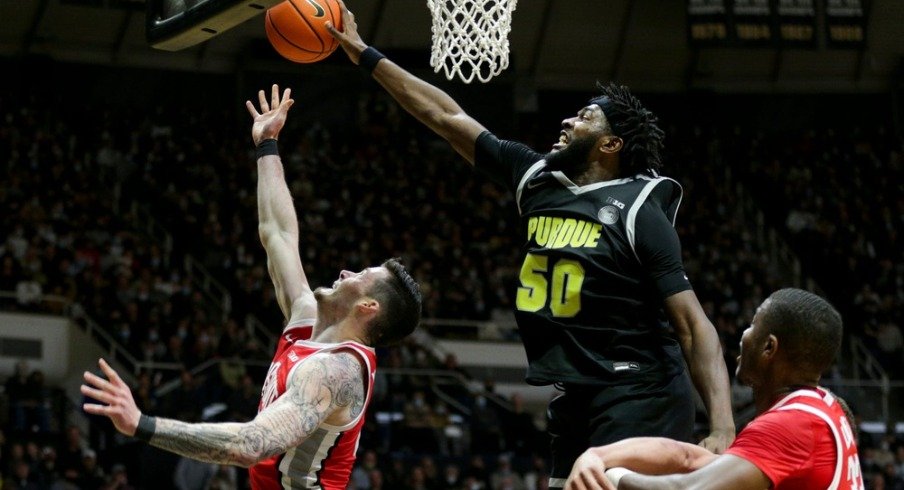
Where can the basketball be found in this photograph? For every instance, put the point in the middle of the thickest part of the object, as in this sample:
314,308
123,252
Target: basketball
297,31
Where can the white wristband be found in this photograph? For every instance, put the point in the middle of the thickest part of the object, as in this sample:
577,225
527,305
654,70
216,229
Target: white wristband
615,475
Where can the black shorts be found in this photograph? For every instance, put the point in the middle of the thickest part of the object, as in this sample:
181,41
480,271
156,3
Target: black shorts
589,416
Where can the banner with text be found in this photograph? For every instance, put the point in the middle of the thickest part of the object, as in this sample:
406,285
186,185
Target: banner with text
777,23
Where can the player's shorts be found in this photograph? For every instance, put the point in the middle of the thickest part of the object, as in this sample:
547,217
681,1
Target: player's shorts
587,416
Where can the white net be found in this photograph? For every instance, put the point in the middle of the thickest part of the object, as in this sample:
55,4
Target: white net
470,37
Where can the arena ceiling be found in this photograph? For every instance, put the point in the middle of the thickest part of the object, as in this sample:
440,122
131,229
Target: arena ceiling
556,44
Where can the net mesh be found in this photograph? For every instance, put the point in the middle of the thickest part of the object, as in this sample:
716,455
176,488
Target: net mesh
470,37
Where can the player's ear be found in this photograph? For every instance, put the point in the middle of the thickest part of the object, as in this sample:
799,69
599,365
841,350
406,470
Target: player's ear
368,306
610,144
770,347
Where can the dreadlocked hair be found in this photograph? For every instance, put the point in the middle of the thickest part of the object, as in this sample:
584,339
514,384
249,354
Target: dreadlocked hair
637,127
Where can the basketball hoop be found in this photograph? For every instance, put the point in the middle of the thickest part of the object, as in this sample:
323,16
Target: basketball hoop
470,37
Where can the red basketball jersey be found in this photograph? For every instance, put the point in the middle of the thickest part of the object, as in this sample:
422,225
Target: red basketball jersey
324,460
803,441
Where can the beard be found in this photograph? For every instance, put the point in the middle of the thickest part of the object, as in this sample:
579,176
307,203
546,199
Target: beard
573,158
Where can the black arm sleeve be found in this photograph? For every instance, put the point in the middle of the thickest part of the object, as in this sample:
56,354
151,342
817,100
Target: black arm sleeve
659,250
503,161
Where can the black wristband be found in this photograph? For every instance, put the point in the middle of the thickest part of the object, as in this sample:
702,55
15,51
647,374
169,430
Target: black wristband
267,147
146,428
369,58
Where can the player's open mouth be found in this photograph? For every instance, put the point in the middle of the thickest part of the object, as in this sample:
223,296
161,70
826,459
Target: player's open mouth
563,141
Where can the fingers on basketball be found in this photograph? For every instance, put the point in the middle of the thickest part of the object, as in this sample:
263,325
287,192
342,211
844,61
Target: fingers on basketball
297,29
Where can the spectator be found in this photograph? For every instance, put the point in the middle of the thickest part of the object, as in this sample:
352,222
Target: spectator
417,479
69,457
520,433
376,480
29,293
891,347
17,387
418,425
184,402
360,479
451,477
477,473
537,476
504,477
191,474
21,478
225,478
244,400
119,479
92,475
37,402
486,435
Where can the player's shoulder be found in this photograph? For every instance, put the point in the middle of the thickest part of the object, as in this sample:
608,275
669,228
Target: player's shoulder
344,359
788,419
662,188
657,192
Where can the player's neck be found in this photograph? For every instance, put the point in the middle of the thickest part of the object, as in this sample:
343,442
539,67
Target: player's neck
765,397
341,331
597,171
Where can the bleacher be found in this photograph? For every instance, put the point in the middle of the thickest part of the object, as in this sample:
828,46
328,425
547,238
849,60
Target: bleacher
141,221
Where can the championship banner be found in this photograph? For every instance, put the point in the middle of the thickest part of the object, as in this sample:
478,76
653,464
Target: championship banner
797,23
752,23
707,23
845,24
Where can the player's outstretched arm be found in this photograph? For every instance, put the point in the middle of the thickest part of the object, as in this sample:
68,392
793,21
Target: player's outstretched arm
648,455
278,223
659,250
426,103
703,353
726,471
325,386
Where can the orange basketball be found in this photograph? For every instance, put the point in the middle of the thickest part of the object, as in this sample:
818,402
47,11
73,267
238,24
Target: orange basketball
296,29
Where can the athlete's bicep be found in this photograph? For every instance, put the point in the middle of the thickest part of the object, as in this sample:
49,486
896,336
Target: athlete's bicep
321,387
287,274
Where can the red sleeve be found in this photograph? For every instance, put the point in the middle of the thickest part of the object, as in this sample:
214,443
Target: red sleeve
779,443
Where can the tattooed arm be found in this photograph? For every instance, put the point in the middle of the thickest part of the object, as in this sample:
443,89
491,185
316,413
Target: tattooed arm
325,387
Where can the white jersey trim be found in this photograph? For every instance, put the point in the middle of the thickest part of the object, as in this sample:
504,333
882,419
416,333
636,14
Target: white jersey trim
308,477
296,472
828,398
839,451
580,189
631,220
354,346
557,482
370,382
524,178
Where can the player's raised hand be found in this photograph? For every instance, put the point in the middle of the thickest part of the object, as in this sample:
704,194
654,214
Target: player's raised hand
272,116
348,38
116,399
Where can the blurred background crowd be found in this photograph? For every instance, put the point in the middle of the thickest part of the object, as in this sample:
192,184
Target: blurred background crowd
121,211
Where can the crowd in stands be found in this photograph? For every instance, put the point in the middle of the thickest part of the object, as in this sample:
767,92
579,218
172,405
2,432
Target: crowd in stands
839,196
77,189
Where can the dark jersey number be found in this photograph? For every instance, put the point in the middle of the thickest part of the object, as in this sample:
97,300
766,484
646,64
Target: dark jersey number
560,287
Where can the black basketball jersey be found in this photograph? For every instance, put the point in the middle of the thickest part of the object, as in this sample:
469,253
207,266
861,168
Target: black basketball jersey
597,263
